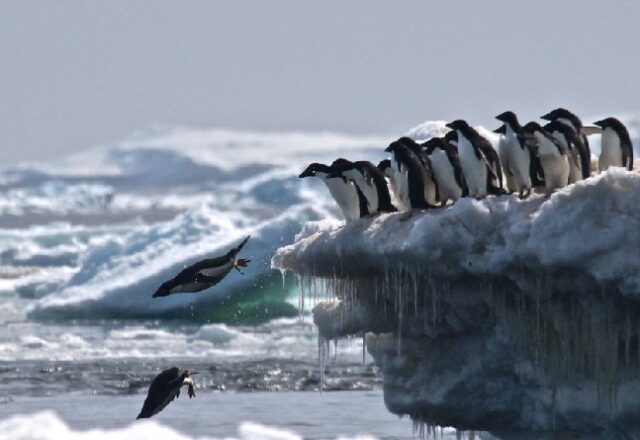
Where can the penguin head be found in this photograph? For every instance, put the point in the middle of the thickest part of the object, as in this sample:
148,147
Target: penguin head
458,124
338,167
509,117
501,130
314,168
384,164
563,113
433,143
532,127
451,137
610,122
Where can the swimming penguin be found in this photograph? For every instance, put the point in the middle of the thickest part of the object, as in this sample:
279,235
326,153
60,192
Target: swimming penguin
479,161
369,179
566,117
385,167
344,192
553,157
446,169
515,155
204,274
164,388
616,147
572,143
408,176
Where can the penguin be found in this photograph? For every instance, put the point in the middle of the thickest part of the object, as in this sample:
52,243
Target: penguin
572,143
369,179
566,117
553,157
446,169
385,167
345,193
479,161
515,154
407,173
164,388
204,274
616,148
431,195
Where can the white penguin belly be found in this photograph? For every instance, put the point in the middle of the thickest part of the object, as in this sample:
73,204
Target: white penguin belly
519,161
430,193
346,196
369,191
611,151
556,170
474,169
401,179
445,176
217,271
504,150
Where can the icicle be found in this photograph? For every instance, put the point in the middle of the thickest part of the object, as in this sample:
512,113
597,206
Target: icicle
364,346
283,273
335,349
321,359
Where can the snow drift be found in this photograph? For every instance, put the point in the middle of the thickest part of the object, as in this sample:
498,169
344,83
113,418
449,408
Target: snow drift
502,314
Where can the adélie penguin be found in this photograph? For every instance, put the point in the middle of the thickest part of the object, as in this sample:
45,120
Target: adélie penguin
446,169
566,117
204,274
616,147
431,195
164,388
479,161
369,179
408,176
553,157
344,192
515,155
572,142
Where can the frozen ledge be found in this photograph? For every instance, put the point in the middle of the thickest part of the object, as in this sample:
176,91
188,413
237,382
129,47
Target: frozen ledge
502,315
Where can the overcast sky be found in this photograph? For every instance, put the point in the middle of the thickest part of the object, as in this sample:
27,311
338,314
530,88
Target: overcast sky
79,74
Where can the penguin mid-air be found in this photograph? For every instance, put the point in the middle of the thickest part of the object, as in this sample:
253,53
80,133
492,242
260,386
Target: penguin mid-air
553,157
515,154
164,388
479,161
407,174
446,169
369,179
616,147
204,274
572,143
345,193
566,117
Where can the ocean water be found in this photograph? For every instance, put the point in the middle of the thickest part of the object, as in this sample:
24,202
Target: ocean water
85,241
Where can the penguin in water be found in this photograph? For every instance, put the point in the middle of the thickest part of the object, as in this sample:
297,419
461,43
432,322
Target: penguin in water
408,177
385,167
431,191
515,154
616,147
446,169
164,388
369,179
572,143
553,157
479,161
348,197
204,274
566,117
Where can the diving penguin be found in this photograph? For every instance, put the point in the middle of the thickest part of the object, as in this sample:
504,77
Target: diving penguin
204,274
566,117
344,192
164,388
479,161
446,169
616,147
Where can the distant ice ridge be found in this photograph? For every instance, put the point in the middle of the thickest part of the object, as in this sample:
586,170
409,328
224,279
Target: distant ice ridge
48,426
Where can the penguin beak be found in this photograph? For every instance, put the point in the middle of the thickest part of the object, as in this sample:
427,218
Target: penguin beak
306,173
500,130
449,125
388,149
598,124
546,117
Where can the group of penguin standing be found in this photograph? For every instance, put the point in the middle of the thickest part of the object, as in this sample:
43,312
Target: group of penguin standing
463,163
